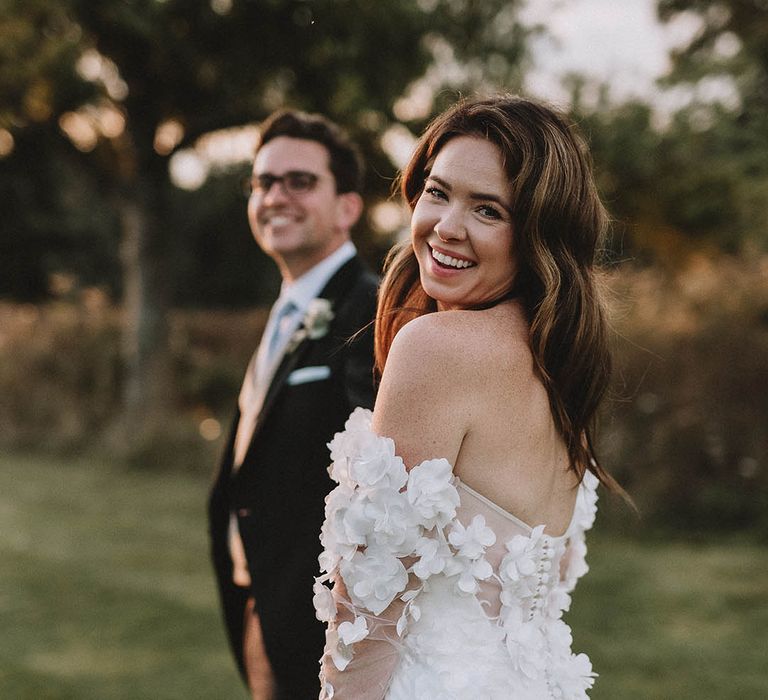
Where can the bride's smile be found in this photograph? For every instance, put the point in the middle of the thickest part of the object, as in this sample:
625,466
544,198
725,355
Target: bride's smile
462,228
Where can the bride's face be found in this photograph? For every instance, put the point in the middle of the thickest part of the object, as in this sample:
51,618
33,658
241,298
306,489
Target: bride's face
462,228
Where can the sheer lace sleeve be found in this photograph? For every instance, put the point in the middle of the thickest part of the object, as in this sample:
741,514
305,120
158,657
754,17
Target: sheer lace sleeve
383,536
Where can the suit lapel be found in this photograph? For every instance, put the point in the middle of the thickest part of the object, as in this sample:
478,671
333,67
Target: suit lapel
335,291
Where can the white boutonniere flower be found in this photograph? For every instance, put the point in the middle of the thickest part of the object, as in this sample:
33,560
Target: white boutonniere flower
314,325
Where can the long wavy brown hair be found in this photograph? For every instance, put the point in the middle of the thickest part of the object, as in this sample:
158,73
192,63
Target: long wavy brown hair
559,228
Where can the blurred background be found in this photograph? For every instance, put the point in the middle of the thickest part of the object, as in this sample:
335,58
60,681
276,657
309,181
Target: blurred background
132,296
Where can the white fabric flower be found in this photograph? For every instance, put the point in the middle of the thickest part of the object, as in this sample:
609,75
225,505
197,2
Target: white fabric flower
394,525
575,562
339,641
359,420
434,557
471,541
520,560
333,536
356,523
373,578
342,446
338,498
328,559
351,632
373,463
338,469
431,492
339,652
559,637
558,602
474,571
346,525
574,677
525,642
362,458
324,602
586,502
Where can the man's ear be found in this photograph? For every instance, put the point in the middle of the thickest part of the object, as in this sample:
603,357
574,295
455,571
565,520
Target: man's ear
348,210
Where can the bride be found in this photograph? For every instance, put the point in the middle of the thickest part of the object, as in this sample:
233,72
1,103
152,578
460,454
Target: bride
456,532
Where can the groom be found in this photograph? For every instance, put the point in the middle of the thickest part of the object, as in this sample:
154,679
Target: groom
310,370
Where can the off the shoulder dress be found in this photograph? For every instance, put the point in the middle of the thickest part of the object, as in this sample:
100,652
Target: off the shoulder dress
432,592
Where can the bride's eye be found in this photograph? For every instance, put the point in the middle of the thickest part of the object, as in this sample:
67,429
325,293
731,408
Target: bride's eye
435,192
489,212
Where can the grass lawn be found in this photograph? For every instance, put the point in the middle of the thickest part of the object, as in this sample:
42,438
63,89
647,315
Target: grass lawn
106,593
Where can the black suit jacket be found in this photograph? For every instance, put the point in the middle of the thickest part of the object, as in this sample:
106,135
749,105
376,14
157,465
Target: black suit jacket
278,492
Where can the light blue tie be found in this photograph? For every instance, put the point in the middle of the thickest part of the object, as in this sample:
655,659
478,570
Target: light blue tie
280,328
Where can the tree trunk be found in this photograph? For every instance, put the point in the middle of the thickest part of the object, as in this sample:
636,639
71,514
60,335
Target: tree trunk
147,387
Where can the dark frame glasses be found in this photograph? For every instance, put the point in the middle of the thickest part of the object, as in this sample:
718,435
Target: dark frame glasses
294,182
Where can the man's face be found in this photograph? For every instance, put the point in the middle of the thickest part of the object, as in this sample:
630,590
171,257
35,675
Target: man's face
300,219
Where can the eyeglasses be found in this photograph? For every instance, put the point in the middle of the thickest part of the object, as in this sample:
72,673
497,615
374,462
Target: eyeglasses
294,182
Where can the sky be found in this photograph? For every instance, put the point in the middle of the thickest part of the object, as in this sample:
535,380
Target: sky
615,41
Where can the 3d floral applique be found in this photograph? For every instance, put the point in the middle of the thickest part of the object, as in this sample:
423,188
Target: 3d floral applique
435,557
384,524
431,492
520,561
525,642
473,540
324,602
393,521
373,578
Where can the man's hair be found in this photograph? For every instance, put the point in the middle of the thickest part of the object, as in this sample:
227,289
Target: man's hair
345,161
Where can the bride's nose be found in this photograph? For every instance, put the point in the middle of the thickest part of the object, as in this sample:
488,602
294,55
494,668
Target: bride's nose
451,227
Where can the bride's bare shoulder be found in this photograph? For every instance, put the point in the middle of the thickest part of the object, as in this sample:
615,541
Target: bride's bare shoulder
434,339
454,344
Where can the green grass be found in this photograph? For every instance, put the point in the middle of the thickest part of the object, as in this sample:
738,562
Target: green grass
674,620
105,587
106,593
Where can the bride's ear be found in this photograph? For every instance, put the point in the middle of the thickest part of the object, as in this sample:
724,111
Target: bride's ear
348,210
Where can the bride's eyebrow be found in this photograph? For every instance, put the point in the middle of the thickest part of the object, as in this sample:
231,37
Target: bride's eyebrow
480,196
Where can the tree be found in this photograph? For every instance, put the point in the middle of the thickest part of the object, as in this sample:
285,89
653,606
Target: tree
730,49
132,81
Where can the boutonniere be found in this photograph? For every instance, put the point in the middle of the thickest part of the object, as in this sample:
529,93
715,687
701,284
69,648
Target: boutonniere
314,325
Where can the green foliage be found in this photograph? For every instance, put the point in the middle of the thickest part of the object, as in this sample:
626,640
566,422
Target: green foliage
72,350
219,264
183,60
686,423
38,47
729,145
680,189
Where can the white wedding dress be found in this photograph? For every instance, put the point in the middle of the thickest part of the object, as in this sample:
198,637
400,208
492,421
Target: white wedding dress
437,593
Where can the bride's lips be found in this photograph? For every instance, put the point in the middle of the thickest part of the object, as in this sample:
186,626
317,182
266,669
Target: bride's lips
446,263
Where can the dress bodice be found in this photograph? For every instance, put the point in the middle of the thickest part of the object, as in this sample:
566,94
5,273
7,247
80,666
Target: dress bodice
437,591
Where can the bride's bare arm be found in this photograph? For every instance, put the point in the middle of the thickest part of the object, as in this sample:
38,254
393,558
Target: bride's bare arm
424,401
